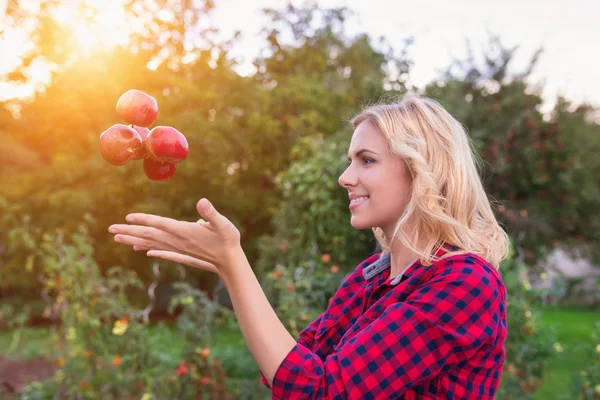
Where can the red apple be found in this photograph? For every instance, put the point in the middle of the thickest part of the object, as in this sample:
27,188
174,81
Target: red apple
165,143
158,170
142,131
120,143
137,108
140,155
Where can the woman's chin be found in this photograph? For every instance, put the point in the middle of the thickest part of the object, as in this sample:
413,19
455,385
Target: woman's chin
358,225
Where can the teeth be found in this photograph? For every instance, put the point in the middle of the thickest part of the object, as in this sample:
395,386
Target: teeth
359,199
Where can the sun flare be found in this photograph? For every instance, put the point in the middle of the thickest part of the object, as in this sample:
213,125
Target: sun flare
101,25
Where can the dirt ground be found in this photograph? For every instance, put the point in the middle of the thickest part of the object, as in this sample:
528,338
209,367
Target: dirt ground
15,374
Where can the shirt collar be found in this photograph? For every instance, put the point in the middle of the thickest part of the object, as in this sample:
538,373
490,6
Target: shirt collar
381,264
377,266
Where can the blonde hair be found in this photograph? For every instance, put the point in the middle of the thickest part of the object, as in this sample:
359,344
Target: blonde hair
448,204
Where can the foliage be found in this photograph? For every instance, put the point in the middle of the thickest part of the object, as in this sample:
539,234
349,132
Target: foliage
101,344
586,384
542,169
240,131
313,217
300,293
164,29
529,345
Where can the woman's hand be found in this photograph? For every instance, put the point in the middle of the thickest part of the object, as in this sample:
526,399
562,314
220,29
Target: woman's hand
181,259
207,244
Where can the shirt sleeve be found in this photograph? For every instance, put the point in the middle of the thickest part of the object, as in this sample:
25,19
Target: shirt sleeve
306,339
443,323
307,336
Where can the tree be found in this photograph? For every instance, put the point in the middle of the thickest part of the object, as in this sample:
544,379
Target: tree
539,169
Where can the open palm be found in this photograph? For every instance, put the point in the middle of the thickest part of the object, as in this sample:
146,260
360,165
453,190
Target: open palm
205,244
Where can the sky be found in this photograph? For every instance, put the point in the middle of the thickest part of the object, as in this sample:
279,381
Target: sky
568,30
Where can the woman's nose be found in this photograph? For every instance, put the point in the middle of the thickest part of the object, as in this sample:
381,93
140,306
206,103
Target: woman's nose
346,180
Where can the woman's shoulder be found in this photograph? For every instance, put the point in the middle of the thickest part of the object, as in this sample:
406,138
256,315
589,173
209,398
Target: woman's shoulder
464,257
467,265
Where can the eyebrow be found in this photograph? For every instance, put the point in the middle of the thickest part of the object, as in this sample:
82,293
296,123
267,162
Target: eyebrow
358,153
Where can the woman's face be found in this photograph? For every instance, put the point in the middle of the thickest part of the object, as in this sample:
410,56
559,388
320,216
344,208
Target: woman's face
374,172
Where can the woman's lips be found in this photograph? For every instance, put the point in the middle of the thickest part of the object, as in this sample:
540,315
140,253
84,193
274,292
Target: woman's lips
357,204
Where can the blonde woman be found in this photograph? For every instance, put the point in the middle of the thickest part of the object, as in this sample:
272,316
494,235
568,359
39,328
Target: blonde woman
424,318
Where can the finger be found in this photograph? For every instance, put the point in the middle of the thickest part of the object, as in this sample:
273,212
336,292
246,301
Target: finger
182,259
142,243
146,233
143,248
164,224
141,231
208,211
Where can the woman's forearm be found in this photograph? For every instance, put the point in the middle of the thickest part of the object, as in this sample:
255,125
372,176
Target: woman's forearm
266,337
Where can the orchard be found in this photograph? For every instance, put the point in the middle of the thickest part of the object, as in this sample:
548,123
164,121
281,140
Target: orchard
268,148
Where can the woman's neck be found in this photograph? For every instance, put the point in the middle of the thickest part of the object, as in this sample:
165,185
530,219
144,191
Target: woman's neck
401,257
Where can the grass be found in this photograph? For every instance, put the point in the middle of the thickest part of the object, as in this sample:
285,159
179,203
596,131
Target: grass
574,329
25,343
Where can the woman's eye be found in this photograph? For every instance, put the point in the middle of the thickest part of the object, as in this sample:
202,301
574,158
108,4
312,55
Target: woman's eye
367,160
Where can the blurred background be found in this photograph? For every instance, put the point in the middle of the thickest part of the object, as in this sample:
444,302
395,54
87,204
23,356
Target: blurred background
263,91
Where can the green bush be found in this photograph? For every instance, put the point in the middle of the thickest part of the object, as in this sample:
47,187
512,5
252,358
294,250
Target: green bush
312,218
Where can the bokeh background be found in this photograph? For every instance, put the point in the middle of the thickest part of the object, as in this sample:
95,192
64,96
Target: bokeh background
263,91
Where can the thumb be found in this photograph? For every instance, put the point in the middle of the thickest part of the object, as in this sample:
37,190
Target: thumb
208,211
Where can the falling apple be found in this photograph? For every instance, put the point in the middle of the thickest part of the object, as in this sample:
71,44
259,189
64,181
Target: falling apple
144,134
120,143
137,108
158,170
165,143
142,131
161,148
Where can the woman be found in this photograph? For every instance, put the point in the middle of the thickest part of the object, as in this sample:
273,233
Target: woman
424,318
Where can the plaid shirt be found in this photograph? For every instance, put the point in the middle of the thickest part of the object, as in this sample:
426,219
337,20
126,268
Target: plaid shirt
434,332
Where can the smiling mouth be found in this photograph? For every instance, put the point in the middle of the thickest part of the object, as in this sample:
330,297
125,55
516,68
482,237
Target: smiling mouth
357,202
359,199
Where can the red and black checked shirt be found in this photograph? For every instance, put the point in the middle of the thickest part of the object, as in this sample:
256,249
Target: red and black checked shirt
434,332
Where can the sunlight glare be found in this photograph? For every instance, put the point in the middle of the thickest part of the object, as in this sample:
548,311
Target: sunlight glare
102,26
3,6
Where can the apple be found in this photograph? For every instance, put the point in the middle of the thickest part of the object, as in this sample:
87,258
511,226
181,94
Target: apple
137,108
142,131
165,143
120,143
144,134
158,170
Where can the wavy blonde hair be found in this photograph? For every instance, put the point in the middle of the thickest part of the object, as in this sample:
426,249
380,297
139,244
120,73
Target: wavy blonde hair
448,204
